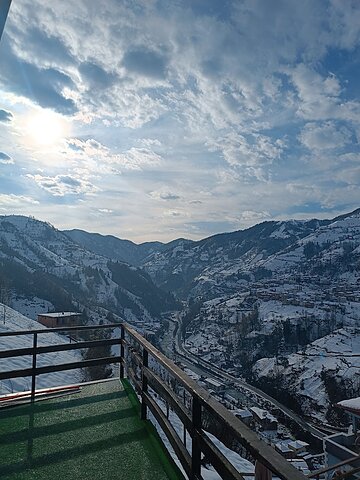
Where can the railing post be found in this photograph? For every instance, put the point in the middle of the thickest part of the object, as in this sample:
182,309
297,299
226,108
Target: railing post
144,384
196,451
184,428
33,376
122,350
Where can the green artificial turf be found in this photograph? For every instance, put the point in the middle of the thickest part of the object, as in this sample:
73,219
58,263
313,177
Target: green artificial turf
92,435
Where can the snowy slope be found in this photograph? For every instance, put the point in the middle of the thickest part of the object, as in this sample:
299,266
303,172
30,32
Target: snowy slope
16,322
309,374
215,265
37,260
329,244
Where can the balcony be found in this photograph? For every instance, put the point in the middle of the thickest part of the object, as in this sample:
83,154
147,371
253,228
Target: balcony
106,430
91,432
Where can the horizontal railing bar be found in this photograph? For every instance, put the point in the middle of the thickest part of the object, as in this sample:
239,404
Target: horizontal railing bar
25,372
160,387
77,345
249,439
217,459
58,348
73,365
16,352
60,329
28,372
173,437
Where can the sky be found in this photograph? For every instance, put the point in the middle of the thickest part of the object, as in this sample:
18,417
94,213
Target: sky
154,119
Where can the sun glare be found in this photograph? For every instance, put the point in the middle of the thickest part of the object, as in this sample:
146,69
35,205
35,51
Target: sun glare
46,128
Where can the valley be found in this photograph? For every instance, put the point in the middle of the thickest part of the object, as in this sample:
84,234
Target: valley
276,306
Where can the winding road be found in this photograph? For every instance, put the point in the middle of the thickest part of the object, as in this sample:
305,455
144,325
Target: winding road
194,361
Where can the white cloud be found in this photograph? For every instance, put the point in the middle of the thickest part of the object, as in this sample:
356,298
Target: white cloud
206,106
164,195
5,159
253,154
61,185
324,136
137,159
15,201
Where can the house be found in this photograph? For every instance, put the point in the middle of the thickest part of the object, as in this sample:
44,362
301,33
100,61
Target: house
244,415
59,319
301,465
283,449
298,446
264,418
341,447
352,407
214,385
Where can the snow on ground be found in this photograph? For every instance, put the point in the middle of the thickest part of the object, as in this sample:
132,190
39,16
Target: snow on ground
351,404
30,308
209,473
334,353
14,321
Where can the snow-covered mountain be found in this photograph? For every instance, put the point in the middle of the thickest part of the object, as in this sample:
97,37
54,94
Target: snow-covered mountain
114,248
14,321
260,297
302,297
217,264
37,260
323,373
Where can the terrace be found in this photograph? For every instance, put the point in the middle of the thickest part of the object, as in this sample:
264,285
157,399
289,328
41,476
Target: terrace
89,432
106,430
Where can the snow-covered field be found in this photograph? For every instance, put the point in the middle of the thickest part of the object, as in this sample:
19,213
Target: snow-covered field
208,472
337,354
14,321
30,308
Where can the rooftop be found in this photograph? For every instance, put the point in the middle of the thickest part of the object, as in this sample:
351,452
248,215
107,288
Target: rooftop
60,314
93,433
352,405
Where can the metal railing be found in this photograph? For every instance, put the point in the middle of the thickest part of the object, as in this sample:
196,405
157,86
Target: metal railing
155,377
152,373
36,350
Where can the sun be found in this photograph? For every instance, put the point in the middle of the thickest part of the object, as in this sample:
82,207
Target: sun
46,128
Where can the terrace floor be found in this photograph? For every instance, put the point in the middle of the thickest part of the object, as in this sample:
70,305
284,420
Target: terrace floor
93,434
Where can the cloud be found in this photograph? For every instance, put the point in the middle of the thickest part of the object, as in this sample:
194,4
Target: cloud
144,61
230,100
61,185
44,86
253,216
135,158
253,154
164,195
175,213
15,201
325,136
5,159
105,210
5,116
44,47
96,76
